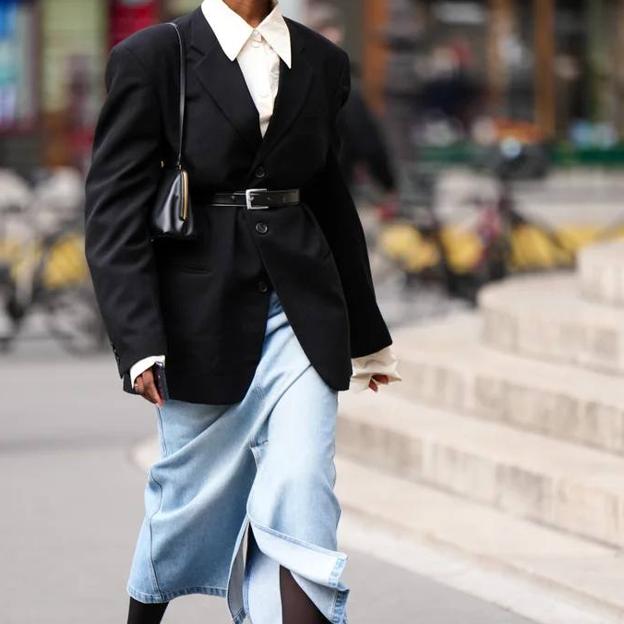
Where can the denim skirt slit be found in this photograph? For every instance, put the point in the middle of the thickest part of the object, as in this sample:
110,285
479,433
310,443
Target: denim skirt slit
264,464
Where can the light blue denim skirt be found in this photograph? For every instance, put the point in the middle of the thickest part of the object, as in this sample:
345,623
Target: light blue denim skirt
267,461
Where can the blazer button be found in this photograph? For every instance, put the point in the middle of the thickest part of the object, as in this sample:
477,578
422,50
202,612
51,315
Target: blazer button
263,286
260,172
262,227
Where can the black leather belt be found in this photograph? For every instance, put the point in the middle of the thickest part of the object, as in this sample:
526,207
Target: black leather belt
256,198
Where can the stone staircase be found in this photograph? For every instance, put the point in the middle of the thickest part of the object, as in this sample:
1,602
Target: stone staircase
505,441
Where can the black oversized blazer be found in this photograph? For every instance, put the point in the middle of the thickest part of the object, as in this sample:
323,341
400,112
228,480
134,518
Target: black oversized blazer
202,303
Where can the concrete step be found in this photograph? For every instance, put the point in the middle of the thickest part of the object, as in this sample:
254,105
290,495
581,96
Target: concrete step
533,570
445,365
601,272
547,318
561,485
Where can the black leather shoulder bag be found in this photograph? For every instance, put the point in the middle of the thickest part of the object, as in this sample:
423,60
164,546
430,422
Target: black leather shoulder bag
171,216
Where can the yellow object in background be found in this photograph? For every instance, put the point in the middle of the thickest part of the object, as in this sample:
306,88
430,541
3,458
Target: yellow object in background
404,244
416,252
531,247
65,264
463,248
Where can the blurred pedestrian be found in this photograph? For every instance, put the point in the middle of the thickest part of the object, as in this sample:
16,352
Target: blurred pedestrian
363,143
262,318
450,92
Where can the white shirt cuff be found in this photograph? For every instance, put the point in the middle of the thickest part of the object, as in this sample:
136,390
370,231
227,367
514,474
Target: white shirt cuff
383,362
142,365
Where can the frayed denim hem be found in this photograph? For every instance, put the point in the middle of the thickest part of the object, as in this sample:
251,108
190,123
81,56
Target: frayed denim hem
338,614
170,595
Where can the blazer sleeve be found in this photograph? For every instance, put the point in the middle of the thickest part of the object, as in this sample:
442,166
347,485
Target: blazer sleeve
338,217
120,188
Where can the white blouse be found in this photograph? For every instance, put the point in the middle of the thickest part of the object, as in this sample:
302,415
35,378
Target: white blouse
258,51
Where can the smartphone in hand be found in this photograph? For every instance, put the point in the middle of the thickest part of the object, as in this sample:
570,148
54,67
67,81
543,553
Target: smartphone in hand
160,379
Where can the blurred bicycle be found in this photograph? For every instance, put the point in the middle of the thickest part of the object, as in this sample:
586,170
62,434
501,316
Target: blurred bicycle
42,265
493,239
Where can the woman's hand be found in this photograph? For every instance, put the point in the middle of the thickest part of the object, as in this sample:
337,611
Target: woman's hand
377,378
146,387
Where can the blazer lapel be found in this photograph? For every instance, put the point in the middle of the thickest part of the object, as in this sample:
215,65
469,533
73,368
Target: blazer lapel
292,93
224,81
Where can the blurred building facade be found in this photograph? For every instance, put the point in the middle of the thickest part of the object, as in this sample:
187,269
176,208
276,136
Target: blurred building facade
549,63
52,59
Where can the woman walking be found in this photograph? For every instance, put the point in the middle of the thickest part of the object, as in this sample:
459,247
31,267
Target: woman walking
259,321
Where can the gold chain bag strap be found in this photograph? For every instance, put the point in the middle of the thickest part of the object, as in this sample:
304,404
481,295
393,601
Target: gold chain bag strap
171,216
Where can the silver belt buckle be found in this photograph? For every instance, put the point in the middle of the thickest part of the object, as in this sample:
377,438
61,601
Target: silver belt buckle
249,197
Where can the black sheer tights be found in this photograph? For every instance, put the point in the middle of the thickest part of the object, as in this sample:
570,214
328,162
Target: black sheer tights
297,608
139,613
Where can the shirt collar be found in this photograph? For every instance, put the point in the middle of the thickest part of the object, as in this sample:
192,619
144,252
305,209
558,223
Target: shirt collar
232,31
